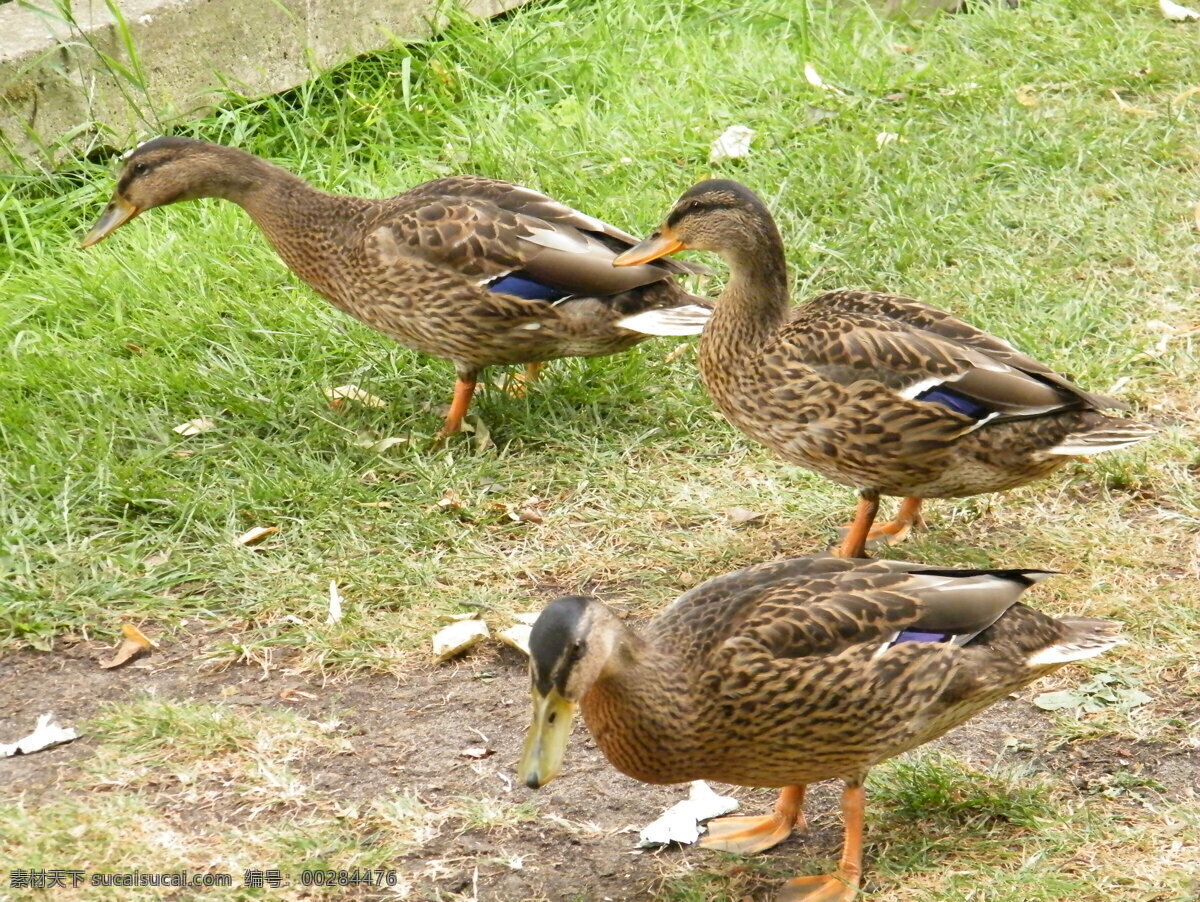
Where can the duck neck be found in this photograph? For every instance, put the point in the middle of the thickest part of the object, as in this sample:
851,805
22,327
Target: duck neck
637,713
302,223
755,301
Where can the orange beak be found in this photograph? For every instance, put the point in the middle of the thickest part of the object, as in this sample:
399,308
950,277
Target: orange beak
118,212
657,245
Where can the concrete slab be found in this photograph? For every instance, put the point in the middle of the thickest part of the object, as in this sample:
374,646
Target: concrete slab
69,82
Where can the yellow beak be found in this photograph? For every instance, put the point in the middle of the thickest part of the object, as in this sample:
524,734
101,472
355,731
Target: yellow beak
546,741
657,245
118,212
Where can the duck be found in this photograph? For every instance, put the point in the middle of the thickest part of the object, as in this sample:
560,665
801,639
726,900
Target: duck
872,390
787,673
474,270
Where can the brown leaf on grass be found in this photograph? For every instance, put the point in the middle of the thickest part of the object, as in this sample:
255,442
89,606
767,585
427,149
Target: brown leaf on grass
677,353
255,535
1126,107
1027,96
195,427
452,501
1186,95
481,435
739,516
133,645
296,695
156,560
342,393
477,752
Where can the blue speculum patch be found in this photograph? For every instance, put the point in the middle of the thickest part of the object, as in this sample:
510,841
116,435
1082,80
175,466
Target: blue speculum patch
526,288
956,401
918,636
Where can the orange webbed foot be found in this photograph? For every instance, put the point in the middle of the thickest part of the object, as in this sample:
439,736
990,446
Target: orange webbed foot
748,835
835,887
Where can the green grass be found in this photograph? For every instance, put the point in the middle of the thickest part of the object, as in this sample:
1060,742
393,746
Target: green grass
1019,194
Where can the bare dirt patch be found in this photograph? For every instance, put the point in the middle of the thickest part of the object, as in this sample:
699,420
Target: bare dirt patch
450,737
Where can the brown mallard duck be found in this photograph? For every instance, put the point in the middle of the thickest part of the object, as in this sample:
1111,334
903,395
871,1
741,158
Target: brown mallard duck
787,673
473,270
876,391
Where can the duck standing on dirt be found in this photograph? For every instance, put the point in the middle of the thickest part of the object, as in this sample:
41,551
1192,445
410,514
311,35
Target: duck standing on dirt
474,270
787,673
872,390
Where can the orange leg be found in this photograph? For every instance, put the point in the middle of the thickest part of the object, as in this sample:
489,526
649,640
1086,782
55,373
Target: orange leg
842,884
854,543
747,835
862,532
519,384
463,389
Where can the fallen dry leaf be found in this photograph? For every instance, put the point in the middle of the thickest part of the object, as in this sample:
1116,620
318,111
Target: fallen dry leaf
740,515
195,427
731,144
255,535
884,138
1196,217
677,353
156,560
353,393
477,752
1026,96
1126,107
452,501
1186,95
133,645
482,439
458,637
293,695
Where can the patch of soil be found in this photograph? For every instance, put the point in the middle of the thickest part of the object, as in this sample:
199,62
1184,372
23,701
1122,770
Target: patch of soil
411,736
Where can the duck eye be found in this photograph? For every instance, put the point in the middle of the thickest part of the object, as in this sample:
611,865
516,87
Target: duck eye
140,167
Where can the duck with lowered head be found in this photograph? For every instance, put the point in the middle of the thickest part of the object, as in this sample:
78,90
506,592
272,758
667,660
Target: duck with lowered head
787,673
474,270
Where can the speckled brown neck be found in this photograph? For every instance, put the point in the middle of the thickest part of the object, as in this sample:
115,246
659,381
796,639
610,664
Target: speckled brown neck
751,308
309,229
637,714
